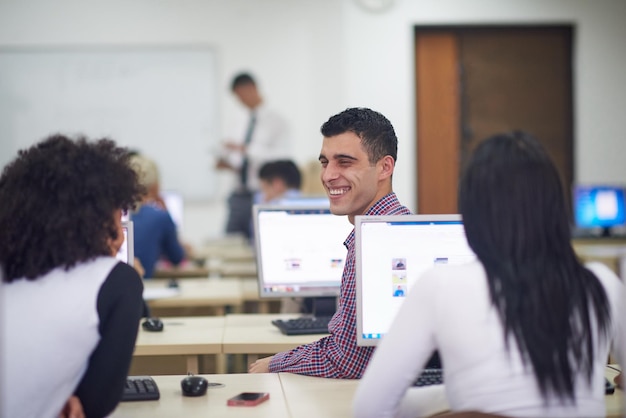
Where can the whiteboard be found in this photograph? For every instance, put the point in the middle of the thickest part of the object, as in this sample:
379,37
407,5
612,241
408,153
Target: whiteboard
161,102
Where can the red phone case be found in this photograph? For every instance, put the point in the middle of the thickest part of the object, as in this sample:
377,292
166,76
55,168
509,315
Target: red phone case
240,400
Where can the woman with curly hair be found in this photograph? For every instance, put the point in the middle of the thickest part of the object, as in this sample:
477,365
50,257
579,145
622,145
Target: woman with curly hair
70,309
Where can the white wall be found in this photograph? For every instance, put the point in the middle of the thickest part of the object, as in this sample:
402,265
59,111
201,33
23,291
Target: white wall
314,58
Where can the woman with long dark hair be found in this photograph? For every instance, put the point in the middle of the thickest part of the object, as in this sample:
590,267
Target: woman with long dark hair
525,330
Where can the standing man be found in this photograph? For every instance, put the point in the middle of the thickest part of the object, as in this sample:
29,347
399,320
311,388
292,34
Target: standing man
358,156
264,137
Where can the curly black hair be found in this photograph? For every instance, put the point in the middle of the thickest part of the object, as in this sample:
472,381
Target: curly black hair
58,200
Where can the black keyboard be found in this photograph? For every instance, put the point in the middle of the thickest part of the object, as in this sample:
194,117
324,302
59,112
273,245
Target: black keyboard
430,377
303,326
140,388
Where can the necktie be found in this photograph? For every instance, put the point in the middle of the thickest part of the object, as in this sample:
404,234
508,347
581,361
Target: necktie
244,165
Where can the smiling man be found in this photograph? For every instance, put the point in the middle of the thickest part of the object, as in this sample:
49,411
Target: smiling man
358,157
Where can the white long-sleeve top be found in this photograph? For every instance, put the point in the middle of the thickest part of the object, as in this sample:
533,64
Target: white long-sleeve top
270,141
449,309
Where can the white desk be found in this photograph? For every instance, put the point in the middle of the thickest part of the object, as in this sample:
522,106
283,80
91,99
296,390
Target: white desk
250,293
615,402
237,269
313,397
191,337
225,251
184,336
196,293
254,334
611,252
189,269
291,396
213,404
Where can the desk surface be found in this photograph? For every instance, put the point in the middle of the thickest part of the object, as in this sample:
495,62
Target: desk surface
312,397
237,269
188,269
290,396
255,334
173,404
182,336
196,293
249,334
615,402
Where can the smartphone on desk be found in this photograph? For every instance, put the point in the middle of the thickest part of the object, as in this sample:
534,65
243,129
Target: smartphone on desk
248,399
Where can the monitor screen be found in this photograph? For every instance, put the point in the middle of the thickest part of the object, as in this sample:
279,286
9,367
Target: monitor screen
315,201
126,252
599,206
392,252
175,206
299,250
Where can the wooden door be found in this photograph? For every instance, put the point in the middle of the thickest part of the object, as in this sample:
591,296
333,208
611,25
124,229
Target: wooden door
492,80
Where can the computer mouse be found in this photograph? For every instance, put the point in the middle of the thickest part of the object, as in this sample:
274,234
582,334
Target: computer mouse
194,385
152,324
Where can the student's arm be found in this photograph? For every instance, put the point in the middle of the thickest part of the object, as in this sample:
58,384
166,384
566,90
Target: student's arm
324,358
337,355
401,355
119,308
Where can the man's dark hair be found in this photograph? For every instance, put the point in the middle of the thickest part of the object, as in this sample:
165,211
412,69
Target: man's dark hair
58,200
376,132
515,219
286,170
242,79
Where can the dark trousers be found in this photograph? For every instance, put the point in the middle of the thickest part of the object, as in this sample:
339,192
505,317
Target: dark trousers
240,213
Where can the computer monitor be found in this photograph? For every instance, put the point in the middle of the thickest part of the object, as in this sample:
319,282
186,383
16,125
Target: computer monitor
299,250
126,252
599,206
315,201
392,252
175,205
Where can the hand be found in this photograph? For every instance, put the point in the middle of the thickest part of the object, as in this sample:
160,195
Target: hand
262,365
223,165
72,409
233,146
618,381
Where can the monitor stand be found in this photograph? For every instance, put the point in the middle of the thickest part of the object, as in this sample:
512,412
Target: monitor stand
320,306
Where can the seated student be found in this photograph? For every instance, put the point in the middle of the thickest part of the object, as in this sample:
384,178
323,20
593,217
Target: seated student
154,230
279,180
70,309
358,156
525,330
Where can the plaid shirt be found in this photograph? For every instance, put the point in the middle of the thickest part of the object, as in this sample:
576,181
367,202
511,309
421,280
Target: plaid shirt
337,356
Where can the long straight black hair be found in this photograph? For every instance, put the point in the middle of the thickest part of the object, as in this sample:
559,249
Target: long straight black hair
513,208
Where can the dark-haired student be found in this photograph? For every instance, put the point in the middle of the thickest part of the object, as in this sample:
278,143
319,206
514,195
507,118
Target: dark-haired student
279,180
358,156
70,309
525,330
